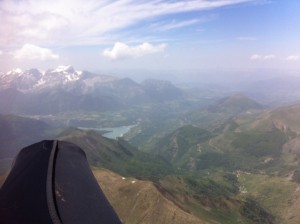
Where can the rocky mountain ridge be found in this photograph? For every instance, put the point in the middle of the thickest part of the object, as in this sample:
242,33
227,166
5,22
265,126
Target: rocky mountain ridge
34,79
66,89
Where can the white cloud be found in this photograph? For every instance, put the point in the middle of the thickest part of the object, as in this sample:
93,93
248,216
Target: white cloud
32,52
175,25
1,52
121,50
81,22
268,57
262,57
256,57
293,58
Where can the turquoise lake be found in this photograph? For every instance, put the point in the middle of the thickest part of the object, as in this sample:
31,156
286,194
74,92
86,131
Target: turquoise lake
112,133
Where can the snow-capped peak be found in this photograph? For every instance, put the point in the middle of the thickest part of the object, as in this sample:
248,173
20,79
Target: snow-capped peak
66,75
15,71
64,68
62,74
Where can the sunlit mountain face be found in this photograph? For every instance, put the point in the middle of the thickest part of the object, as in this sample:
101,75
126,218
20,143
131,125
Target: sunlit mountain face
188,111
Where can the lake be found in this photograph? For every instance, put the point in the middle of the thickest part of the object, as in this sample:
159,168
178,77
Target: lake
112,133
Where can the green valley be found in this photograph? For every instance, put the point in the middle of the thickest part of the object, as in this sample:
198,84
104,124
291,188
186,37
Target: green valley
239,166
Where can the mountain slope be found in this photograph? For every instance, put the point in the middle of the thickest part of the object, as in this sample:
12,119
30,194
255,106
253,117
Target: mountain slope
17,132
284,118
180,146
267,142
215,115
117,155
138,201
235,104
262,150
161,90
177,199
215,198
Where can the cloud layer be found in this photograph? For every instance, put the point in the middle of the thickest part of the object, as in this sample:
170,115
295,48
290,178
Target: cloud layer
86,22
32,52
293,58
122,51
262,57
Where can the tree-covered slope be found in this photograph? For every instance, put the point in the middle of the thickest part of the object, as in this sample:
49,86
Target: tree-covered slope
117,155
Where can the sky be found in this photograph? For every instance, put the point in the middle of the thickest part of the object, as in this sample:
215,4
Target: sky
153,35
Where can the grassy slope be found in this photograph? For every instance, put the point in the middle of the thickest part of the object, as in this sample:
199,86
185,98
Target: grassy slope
280,196
137,201
176,145
214,198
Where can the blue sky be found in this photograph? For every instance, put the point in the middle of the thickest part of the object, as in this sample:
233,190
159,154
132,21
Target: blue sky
216,35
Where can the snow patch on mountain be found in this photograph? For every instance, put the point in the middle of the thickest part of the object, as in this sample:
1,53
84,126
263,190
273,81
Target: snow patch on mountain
63,75
16,71
64,68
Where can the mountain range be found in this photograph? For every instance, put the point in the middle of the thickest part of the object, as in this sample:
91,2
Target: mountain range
261,149
190,157
65,89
